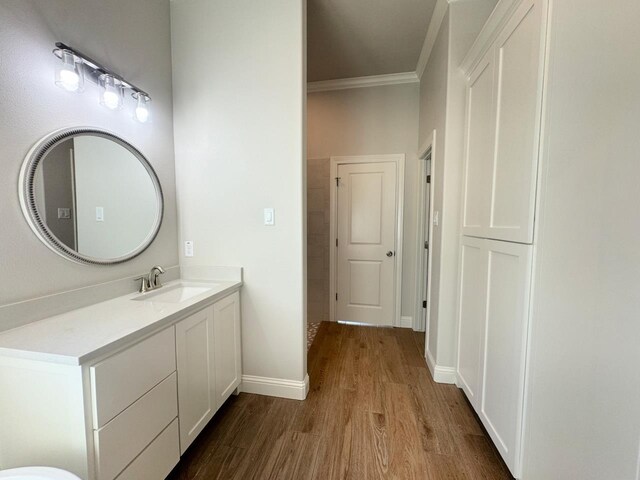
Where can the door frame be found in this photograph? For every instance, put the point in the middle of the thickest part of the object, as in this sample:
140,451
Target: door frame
428,147
399,160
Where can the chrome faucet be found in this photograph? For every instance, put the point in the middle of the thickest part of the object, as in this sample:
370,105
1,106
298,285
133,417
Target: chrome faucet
154,273
151,281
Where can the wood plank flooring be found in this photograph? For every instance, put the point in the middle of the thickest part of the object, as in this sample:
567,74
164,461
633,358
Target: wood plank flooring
373,412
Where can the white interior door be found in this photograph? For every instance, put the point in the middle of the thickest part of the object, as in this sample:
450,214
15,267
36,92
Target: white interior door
366,226
427,246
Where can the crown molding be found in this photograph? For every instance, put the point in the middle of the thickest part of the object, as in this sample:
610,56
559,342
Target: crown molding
361,82
439,12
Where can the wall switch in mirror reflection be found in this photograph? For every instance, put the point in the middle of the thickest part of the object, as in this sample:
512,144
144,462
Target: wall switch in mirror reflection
188,248
64,213
99,214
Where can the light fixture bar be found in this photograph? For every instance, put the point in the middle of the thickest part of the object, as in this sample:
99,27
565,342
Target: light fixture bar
98,69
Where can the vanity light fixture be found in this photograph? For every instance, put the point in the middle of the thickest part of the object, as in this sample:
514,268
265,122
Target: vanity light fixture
74,66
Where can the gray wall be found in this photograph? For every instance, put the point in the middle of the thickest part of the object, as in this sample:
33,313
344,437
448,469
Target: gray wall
433,105
56,179
133,38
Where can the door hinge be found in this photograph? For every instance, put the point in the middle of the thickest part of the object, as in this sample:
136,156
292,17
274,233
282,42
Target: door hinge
424,304
338,181
426,245
336,242
336,297
428,178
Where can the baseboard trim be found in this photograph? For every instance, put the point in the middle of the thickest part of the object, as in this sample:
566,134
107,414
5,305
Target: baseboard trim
406,322
275,387
439,373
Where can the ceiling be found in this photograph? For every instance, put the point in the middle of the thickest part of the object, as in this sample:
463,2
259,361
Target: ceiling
356,38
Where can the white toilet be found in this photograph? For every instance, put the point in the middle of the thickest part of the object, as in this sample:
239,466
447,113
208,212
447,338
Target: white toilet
37,473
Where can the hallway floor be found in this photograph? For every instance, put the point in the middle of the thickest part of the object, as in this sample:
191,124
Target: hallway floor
372,412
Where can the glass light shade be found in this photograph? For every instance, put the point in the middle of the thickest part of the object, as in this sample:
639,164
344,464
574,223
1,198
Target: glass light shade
69,72
142,112
112,92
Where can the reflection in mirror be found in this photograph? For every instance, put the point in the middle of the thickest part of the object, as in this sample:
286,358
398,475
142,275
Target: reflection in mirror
97,196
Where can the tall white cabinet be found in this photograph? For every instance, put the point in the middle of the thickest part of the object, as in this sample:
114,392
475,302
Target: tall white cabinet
504,106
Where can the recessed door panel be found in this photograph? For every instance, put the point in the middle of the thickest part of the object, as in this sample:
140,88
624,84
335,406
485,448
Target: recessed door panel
518,80
365,208
364,290
473,289
478,148
509,272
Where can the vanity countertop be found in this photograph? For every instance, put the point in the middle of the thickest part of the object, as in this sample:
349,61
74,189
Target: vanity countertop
80,336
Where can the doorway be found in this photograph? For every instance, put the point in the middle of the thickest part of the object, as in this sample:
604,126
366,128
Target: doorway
366,239
424,240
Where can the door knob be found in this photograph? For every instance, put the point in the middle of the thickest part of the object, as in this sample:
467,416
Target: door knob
389,253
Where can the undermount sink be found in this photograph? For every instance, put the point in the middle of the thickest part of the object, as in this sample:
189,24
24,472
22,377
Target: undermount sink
177,293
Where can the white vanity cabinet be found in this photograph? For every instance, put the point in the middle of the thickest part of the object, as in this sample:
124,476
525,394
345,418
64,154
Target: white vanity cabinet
209,364
130,411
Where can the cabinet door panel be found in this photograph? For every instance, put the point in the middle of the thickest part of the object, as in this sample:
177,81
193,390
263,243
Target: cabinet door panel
473,289
196,375
518,94
226,320
509,274
478,149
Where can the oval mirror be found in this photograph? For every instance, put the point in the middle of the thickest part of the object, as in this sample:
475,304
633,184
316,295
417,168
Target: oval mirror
91,196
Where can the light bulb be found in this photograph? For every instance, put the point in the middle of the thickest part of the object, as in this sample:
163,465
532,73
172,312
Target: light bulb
142,107
110,99
69,72
69,80
111,92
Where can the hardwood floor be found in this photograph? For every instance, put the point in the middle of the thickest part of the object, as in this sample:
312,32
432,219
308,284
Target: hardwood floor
372,412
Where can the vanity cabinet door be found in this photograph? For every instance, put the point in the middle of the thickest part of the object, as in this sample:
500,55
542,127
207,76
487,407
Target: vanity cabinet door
196,374
228,358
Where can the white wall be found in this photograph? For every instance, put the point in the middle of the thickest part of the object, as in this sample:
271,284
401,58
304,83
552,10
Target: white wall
369,121
442,106
32,106
239,76
584,408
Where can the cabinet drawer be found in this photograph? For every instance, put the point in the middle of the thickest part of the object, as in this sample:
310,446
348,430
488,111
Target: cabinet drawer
123,438
158,459
120,380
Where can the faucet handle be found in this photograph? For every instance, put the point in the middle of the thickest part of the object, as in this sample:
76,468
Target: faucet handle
143,283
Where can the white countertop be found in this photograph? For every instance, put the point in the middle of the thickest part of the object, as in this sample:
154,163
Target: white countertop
82,335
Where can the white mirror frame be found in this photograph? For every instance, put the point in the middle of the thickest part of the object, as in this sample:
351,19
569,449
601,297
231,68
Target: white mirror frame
28,202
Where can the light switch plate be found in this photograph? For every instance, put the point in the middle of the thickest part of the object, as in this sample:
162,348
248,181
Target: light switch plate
269,216
64,213
188,248
99,214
